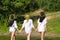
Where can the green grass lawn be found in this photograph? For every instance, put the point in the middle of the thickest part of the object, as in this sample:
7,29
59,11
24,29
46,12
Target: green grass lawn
32,38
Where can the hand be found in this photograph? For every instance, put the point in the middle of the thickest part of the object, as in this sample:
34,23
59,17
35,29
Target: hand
36,30
16,30
19,30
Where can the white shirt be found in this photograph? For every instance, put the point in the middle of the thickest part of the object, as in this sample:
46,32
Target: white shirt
28,25
13,27
42,25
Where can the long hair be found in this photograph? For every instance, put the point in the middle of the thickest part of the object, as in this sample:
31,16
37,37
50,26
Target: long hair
11,21
42,16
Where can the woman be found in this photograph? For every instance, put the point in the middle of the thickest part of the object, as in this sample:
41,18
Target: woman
12,27
42,21
28,25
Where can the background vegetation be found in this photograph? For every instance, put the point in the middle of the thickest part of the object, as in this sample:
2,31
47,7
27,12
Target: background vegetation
20,7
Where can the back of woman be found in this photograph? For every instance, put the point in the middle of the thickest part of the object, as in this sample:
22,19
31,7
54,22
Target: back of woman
12,27
42,21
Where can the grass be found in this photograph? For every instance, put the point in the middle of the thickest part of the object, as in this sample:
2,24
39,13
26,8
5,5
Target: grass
24,38
54,25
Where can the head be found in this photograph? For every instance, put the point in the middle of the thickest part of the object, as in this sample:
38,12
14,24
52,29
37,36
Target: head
27,16
11,20
42,16
11,17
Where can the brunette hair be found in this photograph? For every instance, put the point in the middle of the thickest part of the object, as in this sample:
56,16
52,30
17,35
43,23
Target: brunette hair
42,16
11,21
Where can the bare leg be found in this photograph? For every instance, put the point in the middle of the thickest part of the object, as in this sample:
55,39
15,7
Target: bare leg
28,36
12,35
42,35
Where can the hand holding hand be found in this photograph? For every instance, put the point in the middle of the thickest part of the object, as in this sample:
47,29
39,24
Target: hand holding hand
36,30
19,30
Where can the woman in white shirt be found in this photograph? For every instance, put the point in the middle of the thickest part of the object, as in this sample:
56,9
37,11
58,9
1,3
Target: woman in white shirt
12,27
42,21
28,25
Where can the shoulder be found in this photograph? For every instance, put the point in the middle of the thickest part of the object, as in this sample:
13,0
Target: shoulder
14,20
24,21
30,20
46,18
38,19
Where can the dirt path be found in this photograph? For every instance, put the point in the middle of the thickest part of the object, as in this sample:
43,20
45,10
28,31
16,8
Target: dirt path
34,34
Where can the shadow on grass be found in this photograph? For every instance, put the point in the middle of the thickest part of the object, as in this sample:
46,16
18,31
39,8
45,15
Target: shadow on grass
32,38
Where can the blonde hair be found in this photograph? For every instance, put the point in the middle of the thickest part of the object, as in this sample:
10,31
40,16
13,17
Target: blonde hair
27,16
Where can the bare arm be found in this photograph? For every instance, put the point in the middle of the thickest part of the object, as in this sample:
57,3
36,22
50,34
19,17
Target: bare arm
23,25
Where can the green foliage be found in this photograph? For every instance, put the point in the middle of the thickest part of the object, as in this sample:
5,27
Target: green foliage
50,5
23,6
17,6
